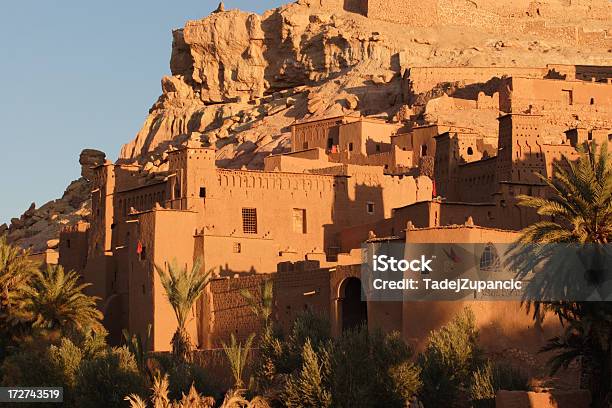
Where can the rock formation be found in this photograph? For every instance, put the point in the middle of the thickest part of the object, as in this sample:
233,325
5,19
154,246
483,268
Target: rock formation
238,80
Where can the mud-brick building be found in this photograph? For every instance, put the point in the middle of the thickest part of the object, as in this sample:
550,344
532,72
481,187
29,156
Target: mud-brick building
301,220
239,223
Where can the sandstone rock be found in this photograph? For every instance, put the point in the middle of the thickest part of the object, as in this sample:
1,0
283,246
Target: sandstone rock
90,158
53,243
16,223
220,8
352,102
30,211
16,235
3,229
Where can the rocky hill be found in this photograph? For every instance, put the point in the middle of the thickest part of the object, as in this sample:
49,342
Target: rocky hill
238,80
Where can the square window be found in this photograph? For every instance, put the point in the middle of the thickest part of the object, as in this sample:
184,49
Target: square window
249,220
299,220
370,208
237,248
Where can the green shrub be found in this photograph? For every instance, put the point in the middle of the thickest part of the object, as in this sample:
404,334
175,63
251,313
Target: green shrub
309,326
32,367
279,357
182,376
492,377
309,387
371,369
105,380
40,364
451,356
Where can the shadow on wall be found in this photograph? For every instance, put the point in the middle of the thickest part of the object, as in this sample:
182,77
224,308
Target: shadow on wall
356,6
379,98
366,207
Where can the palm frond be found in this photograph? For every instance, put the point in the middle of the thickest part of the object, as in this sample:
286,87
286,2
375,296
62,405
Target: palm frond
56,300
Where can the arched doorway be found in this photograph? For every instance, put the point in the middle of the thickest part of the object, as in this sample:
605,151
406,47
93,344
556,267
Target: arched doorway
354,311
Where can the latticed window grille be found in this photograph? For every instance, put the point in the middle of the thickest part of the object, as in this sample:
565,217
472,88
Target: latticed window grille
249,220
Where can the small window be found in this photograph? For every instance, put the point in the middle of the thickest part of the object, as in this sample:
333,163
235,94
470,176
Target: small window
249,220
378,148
299,220
202,192
489,260
470,151
237,248
305,145
67,243
568,96
350,147
370,208
424,150
590,136
592,101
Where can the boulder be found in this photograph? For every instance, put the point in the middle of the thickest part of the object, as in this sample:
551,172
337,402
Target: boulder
90,158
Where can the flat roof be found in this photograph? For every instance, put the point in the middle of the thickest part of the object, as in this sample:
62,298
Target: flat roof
140,187
323,119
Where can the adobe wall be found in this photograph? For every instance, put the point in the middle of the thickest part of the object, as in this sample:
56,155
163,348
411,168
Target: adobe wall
316,194
475,182
394,161
73,248
298,162
422,79
331,203
418,13
553,95
365,137
317,133
224,311
164,235
299,287
506,328
555,399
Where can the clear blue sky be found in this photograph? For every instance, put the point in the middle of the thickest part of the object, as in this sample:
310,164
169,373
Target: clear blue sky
78,74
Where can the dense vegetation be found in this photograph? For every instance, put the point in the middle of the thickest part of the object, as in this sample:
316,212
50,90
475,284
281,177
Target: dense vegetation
52,336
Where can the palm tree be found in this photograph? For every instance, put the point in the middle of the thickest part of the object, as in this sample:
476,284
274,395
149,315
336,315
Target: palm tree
16,270
57,302
183,288
262,308
579,214
237,355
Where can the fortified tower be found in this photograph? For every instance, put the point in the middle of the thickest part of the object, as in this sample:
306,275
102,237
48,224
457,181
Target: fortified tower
192,177
520,148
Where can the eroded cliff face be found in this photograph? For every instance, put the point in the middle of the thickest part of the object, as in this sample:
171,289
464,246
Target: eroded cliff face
235,71
238,80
